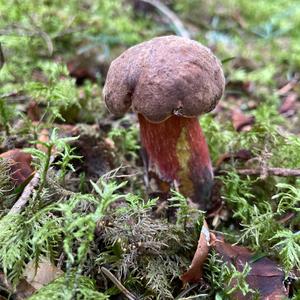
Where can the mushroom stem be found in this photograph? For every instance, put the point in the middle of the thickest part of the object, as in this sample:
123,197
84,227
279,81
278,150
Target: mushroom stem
177,151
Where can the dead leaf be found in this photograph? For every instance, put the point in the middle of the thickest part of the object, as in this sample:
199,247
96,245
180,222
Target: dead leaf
45,273
21,292
265,275
240,121
20,167
194,273
288,107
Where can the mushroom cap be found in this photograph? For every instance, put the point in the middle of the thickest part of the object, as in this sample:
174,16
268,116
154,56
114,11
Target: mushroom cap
162,77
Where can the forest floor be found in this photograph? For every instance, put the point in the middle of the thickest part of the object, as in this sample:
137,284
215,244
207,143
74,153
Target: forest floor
77,217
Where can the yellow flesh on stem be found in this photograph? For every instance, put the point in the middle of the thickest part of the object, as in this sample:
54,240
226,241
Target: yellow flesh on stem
183,155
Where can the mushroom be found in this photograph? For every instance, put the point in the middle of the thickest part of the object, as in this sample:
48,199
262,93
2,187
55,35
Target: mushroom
169,81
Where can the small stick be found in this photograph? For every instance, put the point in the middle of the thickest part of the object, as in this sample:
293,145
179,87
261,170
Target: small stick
289,86
282,172
189,289
118,284
23,199
180,29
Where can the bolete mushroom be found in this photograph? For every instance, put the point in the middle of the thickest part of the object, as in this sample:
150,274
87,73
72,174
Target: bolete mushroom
169,81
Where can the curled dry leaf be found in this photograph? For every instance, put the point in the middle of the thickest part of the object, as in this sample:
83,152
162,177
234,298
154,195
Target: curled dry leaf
20,167
265,275
194,273
240,121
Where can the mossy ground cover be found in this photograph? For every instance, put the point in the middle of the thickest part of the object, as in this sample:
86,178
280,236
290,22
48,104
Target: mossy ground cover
89,208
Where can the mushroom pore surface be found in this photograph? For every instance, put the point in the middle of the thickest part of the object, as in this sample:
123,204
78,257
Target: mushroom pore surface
162,77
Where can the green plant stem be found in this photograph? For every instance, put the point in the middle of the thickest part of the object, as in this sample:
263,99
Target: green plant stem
44,173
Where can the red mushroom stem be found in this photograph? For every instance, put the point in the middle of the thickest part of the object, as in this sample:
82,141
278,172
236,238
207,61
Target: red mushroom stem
177,151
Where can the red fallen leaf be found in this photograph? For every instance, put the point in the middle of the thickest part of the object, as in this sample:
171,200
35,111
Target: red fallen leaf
240,121
20,167
265,275
288,107
194,273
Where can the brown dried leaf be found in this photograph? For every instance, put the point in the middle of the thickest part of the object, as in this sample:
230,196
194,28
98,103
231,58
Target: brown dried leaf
240,121
194,273
21,292
20,167
265,275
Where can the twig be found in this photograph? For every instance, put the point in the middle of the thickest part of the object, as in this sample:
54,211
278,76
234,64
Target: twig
179,27
186,291
289,86
24,198
10,94
22,201
43,35
118,284
47,40
283,172
286,217
22,31
113,173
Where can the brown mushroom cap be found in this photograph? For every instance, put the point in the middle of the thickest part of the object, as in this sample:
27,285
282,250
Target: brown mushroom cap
164,76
